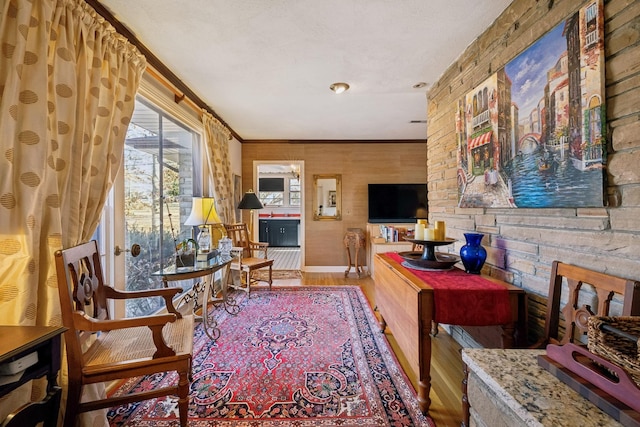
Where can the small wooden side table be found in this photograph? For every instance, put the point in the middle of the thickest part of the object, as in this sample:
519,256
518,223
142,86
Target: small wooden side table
354,237
19,341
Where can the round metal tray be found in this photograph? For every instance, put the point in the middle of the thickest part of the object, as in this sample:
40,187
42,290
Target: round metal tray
442,262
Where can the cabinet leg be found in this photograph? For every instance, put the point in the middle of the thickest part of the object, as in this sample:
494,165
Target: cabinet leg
424,401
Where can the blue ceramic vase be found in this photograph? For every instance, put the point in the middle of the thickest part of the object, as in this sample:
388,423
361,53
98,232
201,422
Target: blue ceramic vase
472,254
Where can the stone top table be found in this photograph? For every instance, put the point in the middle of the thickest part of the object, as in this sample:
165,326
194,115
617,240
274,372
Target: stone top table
509,388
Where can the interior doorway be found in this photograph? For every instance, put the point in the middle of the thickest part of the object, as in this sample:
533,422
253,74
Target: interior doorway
279,185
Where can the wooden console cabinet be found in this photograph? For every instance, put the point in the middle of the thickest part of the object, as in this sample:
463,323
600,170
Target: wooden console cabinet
406,306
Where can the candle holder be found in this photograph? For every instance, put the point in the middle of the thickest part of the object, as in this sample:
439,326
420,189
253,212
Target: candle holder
428,259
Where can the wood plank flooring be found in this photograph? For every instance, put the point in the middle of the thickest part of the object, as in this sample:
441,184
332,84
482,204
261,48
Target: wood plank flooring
446,362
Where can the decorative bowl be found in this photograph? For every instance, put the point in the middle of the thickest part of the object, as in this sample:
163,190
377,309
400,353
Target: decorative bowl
413,259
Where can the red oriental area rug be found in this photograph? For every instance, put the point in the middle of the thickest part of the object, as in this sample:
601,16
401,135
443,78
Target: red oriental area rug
299,356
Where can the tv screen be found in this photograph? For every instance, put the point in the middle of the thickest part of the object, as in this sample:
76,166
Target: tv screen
397,202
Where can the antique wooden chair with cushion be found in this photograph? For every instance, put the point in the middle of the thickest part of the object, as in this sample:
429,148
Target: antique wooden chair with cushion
250,257
101,349
589,293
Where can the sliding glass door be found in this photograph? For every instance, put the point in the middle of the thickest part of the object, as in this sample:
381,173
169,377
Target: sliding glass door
152,201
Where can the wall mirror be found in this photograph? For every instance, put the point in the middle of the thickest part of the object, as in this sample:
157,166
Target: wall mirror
327,197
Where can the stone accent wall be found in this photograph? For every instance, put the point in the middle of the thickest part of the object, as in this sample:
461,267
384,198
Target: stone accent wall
522,243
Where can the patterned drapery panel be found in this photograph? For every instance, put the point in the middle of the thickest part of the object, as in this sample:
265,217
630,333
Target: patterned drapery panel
67,91
216,138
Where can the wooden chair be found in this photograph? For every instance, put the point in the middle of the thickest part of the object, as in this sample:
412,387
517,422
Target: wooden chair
122,348
584,301
250,256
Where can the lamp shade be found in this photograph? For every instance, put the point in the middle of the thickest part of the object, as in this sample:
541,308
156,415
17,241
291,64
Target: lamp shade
250,201
203,212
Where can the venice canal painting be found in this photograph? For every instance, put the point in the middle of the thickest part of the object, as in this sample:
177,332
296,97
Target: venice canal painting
532,134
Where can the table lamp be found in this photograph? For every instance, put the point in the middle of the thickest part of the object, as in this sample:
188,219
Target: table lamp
203,214
250,201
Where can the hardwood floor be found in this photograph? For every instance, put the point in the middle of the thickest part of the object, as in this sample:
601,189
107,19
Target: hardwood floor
446,362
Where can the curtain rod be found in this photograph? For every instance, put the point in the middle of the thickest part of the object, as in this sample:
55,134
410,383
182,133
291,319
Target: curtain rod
178,97
160,71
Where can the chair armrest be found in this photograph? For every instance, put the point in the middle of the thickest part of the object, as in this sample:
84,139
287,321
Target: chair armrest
155,323
112,293
88,323
166,293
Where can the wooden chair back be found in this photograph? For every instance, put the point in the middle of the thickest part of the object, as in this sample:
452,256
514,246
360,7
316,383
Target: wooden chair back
239,235
101,349
85,297
584,301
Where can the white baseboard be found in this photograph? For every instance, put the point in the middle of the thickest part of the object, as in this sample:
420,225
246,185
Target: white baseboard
324,268
330,269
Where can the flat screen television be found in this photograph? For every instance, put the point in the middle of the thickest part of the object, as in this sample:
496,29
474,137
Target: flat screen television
397,202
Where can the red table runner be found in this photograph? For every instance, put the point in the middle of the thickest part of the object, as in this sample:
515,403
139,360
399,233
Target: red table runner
464,299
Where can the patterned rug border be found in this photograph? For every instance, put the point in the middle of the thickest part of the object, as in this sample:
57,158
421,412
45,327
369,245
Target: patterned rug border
370,327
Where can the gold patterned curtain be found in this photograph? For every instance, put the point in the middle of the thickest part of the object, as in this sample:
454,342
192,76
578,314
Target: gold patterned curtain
67,91
216,138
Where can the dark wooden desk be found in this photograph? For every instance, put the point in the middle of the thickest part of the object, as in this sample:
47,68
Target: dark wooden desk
19,341
406,304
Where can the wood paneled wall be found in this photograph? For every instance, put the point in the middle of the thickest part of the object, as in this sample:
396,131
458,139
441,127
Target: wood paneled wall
522,243
359,163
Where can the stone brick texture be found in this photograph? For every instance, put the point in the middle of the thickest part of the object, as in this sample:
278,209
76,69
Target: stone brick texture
522,243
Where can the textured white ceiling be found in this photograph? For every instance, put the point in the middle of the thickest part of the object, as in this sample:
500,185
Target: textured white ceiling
265,66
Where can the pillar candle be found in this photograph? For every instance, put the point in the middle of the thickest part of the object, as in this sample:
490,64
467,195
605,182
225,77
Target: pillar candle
419,232
440,230
430,234
424,222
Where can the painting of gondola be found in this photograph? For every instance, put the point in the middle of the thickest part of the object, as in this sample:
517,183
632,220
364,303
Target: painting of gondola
532,135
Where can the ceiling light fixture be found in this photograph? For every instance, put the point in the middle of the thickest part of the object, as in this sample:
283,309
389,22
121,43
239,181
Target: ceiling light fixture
339,87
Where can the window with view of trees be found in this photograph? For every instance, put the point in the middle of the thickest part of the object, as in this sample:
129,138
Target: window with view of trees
158,164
